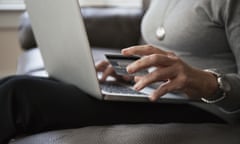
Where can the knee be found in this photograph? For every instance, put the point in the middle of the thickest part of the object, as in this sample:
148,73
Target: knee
12,82
17,101
17,88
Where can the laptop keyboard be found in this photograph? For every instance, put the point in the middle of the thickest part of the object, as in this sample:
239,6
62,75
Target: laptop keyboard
118,89
112,87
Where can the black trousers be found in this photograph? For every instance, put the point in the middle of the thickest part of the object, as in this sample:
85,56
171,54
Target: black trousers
32,104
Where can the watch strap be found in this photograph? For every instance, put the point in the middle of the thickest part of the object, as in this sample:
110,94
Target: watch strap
220,93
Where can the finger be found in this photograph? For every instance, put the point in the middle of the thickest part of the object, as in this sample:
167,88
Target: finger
137,78
108,72
151,61
143,50
155,76
169,86
101,66
127,78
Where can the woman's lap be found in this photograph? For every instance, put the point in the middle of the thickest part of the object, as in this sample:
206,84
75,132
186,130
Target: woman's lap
33,104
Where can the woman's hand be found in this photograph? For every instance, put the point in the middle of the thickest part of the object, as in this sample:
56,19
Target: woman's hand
176,74
107,70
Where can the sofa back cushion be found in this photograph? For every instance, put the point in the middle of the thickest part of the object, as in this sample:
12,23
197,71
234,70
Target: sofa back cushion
108,27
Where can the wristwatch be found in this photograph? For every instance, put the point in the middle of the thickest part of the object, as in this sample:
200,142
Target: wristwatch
223,88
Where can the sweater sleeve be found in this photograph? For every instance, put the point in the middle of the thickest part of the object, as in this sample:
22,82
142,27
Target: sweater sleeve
231,19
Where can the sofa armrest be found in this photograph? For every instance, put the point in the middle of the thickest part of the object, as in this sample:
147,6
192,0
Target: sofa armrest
109,27
25,33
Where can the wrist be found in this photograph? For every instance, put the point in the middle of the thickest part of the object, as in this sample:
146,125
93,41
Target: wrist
210,83
200,83
222,87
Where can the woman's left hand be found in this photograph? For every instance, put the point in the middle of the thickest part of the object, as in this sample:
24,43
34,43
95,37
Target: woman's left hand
176,74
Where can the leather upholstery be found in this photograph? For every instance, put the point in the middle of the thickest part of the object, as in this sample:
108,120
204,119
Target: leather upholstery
113,27
140,134
26,36
108,27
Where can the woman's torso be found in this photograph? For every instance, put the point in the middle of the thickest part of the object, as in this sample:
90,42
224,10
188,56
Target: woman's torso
195,30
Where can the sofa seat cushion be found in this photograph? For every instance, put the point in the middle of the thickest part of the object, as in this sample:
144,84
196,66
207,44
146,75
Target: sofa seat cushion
140,134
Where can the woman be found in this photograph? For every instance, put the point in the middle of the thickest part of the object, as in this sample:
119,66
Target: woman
203,34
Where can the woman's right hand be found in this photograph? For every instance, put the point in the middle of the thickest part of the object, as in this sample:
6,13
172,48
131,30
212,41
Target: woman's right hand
107,70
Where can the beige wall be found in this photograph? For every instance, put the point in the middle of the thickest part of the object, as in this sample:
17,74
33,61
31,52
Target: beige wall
9,45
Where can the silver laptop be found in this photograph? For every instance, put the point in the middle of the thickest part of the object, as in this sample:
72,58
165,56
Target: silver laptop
60,33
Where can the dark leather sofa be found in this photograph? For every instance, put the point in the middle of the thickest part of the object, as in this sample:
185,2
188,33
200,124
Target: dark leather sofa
108,28
120,28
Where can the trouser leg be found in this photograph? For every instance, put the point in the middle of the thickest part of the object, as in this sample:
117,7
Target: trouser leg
30,105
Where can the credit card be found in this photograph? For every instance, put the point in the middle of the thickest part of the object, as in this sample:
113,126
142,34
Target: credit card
120,63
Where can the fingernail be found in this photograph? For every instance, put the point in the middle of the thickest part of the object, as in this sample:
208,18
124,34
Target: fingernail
129,70
172,56
151,99
124,51
137,87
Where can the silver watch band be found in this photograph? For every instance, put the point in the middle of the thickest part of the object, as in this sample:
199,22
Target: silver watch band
213,101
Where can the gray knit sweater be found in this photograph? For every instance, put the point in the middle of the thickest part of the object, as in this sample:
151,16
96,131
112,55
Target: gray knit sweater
204,33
